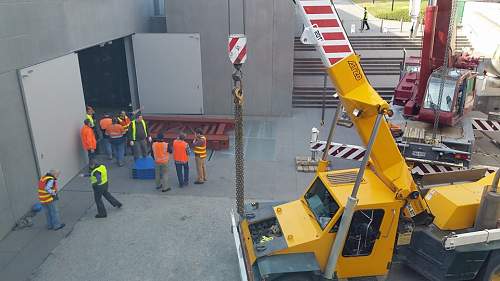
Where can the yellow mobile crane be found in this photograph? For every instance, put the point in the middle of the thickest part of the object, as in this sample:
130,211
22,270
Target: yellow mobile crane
347,222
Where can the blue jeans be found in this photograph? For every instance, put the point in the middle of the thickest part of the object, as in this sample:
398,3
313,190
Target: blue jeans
118,147
183,180
52,215
107,147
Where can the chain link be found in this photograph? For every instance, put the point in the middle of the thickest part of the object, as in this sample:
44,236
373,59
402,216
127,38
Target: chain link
238,145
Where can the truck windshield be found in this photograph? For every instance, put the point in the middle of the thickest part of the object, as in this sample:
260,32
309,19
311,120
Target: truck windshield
321,203
432,97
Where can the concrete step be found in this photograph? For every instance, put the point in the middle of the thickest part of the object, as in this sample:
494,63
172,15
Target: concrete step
312,97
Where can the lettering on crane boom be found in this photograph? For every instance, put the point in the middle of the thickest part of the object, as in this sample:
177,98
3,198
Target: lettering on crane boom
355,70
317,34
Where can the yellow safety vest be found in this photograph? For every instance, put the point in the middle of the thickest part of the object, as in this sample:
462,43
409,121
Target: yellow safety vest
134,131
89,117
201,151
104,175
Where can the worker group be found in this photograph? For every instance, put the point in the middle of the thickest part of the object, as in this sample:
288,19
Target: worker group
117,134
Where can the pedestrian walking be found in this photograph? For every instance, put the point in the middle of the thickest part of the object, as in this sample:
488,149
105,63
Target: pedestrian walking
139,137
365,20
200,153
105,122
181,151
47,195
116,135
89,142
160,154
99,181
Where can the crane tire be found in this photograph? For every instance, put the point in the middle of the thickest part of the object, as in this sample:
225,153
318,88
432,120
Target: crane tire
490,271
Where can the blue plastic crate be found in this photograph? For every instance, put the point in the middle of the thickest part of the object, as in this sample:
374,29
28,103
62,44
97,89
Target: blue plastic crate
144,168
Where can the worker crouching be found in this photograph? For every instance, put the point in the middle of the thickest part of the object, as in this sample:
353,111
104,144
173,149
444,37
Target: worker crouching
99,181
47,195
200,153
160,154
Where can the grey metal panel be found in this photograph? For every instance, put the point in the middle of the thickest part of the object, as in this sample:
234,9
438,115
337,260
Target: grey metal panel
168,69
53,95
6,215
288,263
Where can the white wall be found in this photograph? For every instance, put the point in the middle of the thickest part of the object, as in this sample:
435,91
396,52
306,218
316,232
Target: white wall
481,23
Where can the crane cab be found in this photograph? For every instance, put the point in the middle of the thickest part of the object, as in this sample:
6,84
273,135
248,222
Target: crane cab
306,228
457,99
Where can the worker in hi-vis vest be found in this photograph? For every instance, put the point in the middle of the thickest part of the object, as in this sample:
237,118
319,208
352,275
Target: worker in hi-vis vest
139,137
99,180
160,154
181,153
47,195
200,153
89,142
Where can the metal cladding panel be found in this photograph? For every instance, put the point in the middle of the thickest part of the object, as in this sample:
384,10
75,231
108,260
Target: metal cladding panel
53,96
168,69
322,16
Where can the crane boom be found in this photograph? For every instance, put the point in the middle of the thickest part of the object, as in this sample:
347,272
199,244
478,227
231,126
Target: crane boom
323,28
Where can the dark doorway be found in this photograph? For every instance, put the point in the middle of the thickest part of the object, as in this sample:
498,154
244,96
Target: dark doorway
104,76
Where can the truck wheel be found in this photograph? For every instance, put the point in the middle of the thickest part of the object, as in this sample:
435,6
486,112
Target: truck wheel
295,277
491,270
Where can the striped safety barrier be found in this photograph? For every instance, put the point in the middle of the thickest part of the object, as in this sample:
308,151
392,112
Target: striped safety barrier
485,125
339,150
422,169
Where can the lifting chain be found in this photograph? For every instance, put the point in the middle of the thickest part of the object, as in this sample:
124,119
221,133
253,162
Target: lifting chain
238,145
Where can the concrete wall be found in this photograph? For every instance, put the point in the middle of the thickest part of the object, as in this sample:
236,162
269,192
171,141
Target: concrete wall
270,28
36,31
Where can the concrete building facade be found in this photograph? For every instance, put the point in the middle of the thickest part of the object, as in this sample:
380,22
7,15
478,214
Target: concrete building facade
33,32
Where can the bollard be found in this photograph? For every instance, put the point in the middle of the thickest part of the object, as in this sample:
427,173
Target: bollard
381,25
401,25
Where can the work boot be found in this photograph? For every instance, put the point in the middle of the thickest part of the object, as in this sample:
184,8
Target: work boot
166,189
198,182
119,205
158,187
61,226
100,216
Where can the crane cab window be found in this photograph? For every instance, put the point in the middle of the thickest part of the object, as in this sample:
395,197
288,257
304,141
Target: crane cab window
432,96
321,203
363,233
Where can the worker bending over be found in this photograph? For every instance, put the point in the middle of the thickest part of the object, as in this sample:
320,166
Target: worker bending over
47,195
181,151
116,135
139,137
89,142
160,154
105,122
200,153
99,181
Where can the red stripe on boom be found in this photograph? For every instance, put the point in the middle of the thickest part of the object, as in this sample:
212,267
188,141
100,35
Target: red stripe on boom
232,43
334,60
318,10
337,49
333,36
326,23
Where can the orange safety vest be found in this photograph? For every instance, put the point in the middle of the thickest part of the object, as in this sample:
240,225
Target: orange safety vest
88,138
160,151
115,131
105,123
201,151
180,153
124,121
43,195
